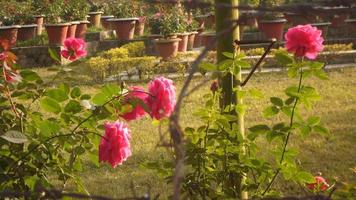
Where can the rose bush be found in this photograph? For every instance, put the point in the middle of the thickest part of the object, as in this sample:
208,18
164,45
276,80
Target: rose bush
50,129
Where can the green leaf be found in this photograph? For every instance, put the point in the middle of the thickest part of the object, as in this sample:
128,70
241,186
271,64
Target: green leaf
111,90
293,72
49,127
305,177
316,65
270,111
321,130
50,105
277,101
14,137
292,91
57,94
320,74
29,75
313,120
243,64
93,156
283,58
228,55
225,64
75,92
208,66
73,107
100,98
260,129
85,97
53,55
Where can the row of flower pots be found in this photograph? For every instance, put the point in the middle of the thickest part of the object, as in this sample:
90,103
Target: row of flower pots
57,33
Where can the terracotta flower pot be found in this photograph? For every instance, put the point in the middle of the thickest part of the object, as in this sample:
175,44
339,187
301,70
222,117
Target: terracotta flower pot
124,27
299,19
183,43
197,40
81,29
105,24
27,32
167,48
351,26
57,33
272,28
9,33
339,20
207,39
191,39
39,19
94,18
72,28
140,26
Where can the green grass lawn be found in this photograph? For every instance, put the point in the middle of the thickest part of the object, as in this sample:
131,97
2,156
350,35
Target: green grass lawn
333,155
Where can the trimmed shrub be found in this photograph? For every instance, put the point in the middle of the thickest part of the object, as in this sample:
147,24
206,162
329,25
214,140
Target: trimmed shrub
116,53
98,67
135,49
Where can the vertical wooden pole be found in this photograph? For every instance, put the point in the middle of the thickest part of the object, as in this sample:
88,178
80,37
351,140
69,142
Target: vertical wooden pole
224,17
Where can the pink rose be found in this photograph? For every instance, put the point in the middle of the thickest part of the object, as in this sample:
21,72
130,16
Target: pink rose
162,98
304,40
3,56
114,146
320,184
74,48
136,94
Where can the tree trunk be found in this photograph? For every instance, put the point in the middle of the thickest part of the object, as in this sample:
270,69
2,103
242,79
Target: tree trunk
224,16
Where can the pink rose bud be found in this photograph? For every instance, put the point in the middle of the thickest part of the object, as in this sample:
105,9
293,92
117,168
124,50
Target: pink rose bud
162,98
136,94
320,184
304,40
115,146
74,48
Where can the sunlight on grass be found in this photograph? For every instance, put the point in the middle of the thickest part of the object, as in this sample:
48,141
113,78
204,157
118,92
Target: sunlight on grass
332,155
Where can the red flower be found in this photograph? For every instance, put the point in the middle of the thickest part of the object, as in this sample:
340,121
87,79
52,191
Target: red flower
3,56
136,94
162,99
74,48
115,146
304,40
320,184
214,86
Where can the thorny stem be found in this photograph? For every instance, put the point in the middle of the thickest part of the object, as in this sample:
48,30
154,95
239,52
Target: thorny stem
62,135
288,135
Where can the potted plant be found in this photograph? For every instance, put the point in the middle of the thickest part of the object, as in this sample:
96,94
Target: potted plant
24,18
74,12
108,14
39,7
55,25
140,11
272,24
169,27
124,23
299,18
192,28
8,30
182,24
96,10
